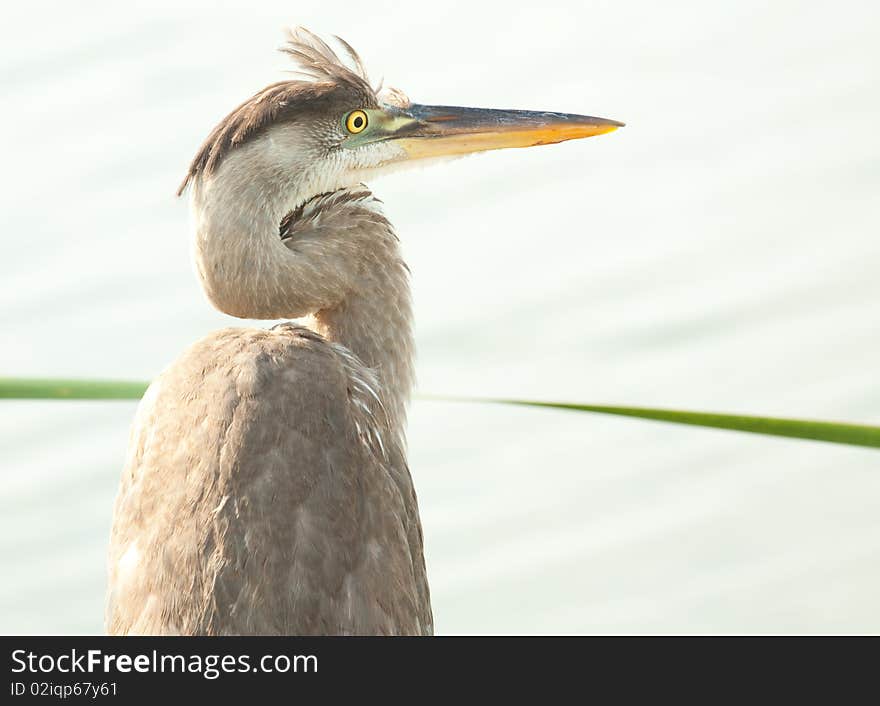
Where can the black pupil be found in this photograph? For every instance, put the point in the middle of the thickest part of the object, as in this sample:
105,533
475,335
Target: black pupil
358,121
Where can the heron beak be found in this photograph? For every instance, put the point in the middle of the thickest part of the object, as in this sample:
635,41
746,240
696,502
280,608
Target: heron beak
426,131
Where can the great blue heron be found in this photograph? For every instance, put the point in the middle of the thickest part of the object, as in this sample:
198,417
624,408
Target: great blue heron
266,487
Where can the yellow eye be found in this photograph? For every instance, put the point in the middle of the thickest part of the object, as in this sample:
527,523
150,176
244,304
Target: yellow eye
356,121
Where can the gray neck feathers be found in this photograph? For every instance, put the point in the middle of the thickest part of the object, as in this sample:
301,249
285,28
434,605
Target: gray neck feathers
338,262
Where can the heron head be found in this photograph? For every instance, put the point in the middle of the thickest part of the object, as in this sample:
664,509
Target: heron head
331,129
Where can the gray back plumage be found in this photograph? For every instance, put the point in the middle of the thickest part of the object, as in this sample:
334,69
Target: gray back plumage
256,499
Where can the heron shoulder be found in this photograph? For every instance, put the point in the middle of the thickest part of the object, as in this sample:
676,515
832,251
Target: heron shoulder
286,377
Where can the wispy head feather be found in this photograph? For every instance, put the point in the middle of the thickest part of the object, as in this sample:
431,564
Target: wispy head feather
317,61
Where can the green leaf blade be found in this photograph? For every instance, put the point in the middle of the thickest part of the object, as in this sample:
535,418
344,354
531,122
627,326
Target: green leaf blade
815,430
55,389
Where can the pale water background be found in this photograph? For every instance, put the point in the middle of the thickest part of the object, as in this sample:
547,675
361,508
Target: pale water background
721,252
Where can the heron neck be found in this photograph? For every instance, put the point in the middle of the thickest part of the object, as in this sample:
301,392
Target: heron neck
375,323
338,266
